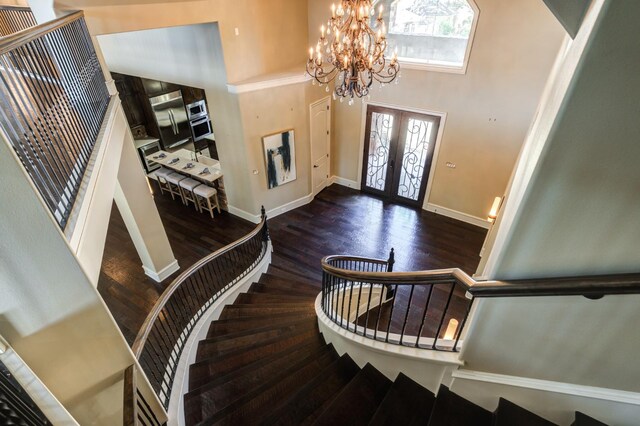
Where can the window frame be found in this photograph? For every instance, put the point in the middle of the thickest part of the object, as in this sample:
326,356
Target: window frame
410,64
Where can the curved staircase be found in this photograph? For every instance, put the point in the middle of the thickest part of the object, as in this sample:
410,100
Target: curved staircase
265,362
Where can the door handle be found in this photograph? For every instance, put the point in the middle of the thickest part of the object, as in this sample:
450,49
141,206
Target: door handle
391,163
173,123
315,166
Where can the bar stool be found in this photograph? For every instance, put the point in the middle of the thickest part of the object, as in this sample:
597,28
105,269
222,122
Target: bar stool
187,186
174,179
204,194
161,175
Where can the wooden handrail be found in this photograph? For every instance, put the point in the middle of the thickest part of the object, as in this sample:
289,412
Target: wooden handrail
594,286
16,8
589,286
9,43
143,334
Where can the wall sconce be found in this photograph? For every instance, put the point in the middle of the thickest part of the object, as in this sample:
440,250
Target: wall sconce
495,208
451,329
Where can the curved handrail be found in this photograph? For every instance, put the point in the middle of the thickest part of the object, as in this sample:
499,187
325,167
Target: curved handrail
166,330
588,286
402,308
143,334
434,276
364,300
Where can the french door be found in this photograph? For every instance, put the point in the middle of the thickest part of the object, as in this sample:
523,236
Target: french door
398,152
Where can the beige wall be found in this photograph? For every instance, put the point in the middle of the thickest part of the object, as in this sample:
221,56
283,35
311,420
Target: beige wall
267,42
512,54
269,111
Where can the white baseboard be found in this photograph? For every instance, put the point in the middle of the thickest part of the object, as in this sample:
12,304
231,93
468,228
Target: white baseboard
244,214
454,214
276,211
593,392
290,206
344,182
162,274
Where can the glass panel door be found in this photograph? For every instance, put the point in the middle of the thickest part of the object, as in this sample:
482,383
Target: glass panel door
418,139
381,132
398,152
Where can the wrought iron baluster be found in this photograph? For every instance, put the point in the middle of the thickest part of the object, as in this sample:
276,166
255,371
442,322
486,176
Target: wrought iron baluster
393,303
424,316
406,315
444,314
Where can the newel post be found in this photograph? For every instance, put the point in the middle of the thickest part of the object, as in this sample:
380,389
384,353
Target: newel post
265,229
391,261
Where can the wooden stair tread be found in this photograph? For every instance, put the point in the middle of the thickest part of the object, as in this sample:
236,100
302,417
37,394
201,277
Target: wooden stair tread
508,414
406,403
276,289
232,343
203,370
236,311
359,399
258,298
302,407
292,282
254,404
262,325
206,400
582,419
452,410
235,325
278,269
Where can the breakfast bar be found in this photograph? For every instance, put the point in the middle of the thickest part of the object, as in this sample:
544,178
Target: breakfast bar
204,169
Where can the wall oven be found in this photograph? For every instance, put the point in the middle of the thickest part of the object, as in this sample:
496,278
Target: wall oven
197,110
201,128
149,149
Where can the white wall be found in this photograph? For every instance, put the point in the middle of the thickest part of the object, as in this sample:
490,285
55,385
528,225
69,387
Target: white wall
580,212
50,313
579,215
514,47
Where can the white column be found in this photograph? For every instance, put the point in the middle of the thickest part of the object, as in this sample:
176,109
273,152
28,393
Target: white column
135,203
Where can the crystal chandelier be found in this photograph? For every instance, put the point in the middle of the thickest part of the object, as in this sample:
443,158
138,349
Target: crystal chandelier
351,52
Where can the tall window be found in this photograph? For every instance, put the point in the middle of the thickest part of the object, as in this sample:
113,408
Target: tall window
430,32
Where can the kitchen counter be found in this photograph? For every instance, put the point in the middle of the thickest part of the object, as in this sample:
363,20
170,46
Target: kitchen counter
144,141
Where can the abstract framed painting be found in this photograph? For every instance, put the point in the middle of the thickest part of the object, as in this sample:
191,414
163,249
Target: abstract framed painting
280,158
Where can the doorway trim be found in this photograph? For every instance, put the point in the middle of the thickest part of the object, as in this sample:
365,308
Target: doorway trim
436,150
326,99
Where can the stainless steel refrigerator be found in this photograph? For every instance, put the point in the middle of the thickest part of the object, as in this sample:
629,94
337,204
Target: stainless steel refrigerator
171,117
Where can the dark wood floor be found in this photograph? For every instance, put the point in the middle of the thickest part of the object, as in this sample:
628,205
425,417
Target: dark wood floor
338,221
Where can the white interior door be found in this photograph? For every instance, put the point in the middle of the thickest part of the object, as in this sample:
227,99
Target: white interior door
320,141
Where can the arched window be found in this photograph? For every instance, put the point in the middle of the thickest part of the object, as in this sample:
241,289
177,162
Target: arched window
430,33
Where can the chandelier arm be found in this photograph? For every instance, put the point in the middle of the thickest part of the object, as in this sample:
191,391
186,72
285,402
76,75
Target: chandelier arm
350,52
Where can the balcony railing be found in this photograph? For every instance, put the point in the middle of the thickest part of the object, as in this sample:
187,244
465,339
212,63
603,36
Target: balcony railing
14,19
16,406
53,100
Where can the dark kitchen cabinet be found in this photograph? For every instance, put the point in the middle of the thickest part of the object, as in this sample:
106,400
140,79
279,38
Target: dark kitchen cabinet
156,88
130,99
192,94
